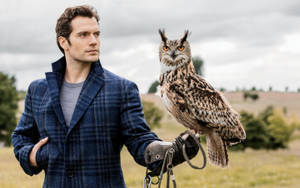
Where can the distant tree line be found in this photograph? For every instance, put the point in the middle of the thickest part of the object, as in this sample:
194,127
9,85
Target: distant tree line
250,94
199,68
253,88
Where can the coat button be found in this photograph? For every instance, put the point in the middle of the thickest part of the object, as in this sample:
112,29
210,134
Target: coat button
70,174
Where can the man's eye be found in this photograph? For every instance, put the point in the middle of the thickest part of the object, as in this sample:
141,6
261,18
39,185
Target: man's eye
83,34
97,34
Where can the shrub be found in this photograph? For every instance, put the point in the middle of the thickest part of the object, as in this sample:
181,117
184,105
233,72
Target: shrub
256,131
271,129
153,115
279,130
8,107
251,94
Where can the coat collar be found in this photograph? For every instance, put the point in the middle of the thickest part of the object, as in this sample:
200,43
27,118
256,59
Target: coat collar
59,66
90,88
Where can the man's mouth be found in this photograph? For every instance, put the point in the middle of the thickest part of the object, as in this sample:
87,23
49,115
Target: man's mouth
92,51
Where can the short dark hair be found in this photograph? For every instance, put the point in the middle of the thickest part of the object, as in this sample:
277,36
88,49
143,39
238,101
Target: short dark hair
63,25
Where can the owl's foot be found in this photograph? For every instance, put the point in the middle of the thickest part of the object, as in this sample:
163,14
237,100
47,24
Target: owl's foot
195,130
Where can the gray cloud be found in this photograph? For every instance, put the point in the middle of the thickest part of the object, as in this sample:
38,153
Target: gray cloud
252,22
293,9
129,38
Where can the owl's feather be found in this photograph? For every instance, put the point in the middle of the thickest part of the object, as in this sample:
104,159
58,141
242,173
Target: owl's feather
204,103
198,106
195,103
216,149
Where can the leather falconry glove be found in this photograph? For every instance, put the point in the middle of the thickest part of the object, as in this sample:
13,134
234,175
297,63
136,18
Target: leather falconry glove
155,152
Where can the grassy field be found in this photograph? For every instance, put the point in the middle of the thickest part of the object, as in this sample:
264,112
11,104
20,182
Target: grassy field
262,169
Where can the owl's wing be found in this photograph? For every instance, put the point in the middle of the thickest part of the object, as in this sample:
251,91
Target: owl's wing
206,104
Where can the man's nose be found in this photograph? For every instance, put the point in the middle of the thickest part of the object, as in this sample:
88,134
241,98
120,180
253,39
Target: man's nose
93,40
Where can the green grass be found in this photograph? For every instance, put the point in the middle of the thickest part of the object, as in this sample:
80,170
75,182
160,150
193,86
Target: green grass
11,174
249,169
266,169
262,169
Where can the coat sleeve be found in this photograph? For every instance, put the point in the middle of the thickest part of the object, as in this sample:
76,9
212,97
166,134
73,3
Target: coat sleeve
25,136
136,133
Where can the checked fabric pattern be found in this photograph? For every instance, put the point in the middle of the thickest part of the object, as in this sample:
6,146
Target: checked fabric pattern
108,115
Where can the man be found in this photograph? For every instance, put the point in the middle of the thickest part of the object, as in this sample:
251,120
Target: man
76,120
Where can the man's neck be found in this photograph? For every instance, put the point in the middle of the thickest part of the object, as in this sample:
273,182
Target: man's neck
76,72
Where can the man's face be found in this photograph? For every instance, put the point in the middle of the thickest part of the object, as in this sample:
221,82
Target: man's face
84,39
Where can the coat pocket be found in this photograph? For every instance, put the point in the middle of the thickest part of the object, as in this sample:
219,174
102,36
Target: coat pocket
42,157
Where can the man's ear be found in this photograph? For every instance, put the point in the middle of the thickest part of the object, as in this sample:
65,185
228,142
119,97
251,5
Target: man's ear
63,42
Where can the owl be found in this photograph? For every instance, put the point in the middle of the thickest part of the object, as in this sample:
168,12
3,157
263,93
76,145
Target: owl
194,102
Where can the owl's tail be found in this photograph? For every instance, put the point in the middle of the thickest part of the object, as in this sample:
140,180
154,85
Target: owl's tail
216,150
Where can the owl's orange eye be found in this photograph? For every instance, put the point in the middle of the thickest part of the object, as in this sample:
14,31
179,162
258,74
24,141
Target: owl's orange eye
166,48
180,48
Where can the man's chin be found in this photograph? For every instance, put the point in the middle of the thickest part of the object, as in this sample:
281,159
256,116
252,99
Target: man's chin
92,59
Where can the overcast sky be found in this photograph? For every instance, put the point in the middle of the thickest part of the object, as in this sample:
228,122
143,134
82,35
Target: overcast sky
243,43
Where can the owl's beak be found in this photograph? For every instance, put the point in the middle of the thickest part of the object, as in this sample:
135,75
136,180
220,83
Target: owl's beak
173,55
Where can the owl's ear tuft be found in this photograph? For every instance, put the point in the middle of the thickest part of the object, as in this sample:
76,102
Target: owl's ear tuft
184,37
163,35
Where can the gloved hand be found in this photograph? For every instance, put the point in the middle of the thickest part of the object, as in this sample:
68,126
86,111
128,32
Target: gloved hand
156,151
191,148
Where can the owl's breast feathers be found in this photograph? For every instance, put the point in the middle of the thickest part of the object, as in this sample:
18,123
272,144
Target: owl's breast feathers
197,105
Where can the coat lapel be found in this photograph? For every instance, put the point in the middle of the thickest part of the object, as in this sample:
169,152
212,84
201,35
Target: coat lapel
54,80
91,86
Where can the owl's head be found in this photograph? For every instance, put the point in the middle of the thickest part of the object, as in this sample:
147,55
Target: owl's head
173,53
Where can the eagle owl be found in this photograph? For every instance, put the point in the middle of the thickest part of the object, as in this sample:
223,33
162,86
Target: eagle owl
194,102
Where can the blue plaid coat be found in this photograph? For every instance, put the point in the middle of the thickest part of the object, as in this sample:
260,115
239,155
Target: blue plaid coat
108,115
